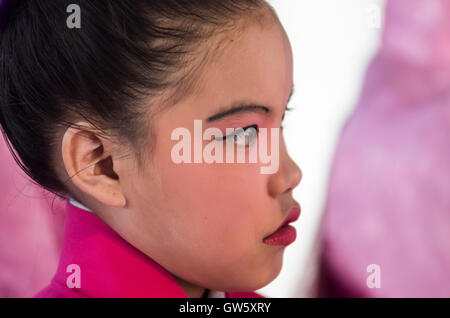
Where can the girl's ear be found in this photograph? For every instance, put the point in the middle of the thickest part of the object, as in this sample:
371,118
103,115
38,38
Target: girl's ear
88,160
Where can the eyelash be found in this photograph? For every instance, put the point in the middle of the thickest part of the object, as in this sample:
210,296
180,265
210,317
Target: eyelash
288,109
235,134
251,126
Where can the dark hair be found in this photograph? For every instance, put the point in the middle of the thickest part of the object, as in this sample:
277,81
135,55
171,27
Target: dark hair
125,51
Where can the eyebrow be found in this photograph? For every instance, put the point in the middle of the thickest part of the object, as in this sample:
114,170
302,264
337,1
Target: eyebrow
241,107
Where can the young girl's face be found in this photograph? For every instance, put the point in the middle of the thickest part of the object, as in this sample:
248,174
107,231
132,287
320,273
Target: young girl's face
205,223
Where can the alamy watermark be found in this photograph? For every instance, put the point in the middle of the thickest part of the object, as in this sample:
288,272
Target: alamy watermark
74,279
374,279
248,139
74,19
374,16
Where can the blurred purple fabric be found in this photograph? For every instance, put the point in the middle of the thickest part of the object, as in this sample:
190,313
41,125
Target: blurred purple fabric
31,225
389,193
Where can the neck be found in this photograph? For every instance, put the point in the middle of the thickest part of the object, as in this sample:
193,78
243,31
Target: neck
193,291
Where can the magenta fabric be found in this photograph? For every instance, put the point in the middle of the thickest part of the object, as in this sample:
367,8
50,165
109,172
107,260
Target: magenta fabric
109,265
389,195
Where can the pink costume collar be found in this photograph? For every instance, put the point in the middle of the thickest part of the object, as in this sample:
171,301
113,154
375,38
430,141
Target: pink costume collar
108,265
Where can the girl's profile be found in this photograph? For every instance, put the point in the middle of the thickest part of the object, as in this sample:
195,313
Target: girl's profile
88,114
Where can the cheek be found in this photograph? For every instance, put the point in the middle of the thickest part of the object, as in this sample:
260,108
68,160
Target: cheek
214,217
227,202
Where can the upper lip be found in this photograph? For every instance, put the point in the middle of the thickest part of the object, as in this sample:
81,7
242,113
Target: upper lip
294,214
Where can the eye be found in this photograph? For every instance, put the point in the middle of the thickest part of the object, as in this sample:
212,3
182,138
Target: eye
242,137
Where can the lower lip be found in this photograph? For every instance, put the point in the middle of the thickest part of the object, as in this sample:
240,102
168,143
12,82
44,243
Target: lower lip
284,236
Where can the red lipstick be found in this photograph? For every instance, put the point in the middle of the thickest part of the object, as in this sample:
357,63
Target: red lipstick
285,234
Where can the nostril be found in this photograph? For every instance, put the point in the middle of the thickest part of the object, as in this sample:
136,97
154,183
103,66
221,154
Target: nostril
289,191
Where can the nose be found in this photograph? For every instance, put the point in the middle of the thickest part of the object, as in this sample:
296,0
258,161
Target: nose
287,177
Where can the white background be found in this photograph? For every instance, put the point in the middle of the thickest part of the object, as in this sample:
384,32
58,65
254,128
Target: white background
333,41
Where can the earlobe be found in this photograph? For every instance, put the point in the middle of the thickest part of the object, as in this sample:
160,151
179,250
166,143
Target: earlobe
89,165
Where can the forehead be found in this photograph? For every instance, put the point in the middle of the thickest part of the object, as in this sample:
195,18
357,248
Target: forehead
253,65
256,63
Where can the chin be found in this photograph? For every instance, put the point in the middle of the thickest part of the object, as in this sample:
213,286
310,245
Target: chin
256,279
